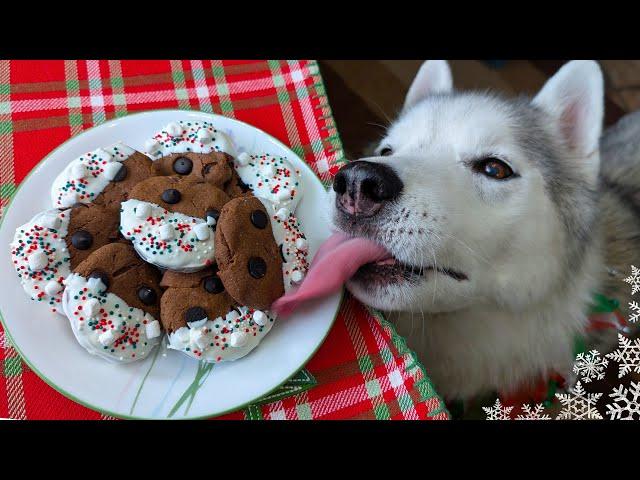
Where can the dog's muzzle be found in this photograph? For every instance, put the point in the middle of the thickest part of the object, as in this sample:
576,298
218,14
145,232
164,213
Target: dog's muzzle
363,187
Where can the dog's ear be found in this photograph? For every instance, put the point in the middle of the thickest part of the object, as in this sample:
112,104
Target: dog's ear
433,77
574,97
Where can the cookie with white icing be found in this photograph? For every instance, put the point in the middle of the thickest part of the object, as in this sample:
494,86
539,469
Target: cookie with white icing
112,301
271,178
45,249
103,176
171,221
247,254
293,246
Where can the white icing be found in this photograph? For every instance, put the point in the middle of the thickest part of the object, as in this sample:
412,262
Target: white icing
271,178
84,178
223,339
40,256
116,331
184,252
188,136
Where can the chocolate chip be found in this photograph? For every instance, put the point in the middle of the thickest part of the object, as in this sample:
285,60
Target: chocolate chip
122,174
257,267
182,166
243,186
147,295
194,314
82,240
104,278
213,284
213,213
284,260
171,196
259,219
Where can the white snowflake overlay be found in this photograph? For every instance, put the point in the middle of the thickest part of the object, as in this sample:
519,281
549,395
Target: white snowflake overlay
626,403
634,280
590,366
498,412
634,312
627,355
534,412
578,404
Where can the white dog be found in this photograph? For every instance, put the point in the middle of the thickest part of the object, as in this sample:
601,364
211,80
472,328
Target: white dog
501,222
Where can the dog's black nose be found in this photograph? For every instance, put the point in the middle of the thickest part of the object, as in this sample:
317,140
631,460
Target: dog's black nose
362,187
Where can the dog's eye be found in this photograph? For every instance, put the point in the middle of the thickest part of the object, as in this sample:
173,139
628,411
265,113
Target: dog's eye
386,151
494,168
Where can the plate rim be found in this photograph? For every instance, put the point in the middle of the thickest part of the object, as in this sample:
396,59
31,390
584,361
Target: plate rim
133,417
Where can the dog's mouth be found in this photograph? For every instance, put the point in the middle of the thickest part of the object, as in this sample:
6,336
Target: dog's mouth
391,270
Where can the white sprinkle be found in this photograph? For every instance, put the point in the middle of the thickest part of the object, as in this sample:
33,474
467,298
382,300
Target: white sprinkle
37,261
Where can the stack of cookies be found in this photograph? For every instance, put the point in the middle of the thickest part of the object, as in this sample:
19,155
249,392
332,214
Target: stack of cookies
189,239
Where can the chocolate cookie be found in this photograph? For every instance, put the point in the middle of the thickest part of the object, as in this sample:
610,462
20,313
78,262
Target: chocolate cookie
171,221
202,320
192,297
45,249
112,301
247,255
103,176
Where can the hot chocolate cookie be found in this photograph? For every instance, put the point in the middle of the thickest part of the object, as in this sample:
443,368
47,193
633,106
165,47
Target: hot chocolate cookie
112,300
247,254
171,221
103,176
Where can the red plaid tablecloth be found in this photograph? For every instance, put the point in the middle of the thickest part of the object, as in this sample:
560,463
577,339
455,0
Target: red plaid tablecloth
363,370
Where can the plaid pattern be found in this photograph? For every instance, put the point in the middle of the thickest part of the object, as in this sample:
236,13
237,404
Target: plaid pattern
363,370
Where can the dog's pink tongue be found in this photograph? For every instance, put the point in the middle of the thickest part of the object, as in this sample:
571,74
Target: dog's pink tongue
336,261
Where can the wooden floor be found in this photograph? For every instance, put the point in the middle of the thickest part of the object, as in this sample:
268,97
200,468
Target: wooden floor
365,94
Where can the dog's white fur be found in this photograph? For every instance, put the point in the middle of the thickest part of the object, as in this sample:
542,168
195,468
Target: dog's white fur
516,317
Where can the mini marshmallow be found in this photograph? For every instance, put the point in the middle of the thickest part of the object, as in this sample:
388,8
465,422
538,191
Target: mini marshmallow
204,135
106,338
37,261
198,323
50,221
152,329
238,339
232,316
297,276
282,214
96,285
269,170
78,171
180,338
202,231
111,170
103,155
70,199
151,146
81,324
283,194
243,159
91,307
260,318
143,210
52,287
198,337
211,221
302,244
174,129
166,232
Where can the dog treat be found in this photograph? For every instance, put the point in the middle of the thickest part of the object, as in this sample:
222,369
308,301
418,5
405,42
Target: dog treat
45,249
247,254
103,176
171,221
271,178
293,246
112,300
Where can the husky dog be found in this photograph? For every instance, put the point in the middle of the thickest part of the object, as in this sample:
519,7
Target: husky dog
503,217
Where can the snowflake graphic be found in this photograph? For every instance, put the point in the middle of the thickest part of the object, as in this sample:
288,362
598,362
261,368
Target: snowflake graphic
634,280
533,413
627,355
626,403
590,366
498,412
578,404
635,312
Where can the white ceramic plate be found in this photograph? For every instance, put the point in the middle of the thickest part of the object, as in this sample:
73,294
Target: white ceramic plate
167,384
